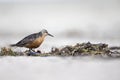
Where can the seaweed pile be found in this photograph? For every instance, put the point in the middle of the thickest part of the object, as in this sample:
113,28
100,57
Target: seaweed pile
80,49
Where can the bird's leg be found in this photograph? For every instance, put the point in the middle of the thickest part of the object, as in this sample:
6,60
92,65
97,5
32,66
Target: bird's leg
31,50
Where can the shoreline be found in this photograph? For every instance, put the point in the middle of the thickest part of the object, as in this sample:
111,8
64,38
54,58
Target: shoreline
79,49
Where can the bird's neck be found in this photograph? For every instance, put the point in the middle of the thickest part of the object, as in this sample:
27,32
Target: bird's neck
44,35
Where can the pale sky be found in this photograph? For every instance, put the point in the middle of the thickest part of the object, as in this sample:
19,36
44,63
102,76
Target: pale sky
61,1
79,14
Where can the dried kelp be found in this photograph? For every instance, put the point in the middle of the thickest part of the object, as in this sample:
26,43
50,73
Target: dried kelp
80,49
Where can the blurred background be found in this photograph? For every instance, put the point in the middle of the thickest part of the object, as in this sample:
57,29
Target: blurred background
70,21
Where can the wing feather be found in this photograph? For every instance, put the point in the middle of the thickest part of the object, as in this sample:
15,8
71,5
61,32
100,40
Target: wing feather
27,40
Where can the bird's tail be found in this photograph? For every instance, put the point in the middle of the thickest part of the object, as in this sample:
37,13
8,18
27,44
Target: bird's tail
12,45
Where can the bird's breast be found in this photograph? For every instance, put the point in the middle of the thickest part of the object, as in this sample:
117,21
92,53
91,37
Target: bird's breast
36,43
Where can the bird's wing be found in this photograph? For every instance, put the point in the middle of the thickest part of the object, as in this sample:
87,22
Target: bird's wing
28,39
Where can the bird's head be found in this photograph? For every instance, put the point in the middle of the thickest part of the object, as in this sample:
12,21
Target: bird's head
45,32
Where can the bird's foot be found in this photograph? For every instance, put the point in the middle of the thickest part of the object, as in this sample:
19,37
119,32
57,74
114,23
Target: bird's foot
33,53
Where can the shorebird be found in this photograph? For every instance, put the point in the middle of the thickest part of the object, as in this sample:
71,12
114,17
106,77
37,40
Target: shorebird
32,41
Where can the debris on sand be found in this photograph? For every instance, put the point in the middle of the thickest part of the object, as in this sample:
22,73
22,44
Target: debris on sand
80,49
7,51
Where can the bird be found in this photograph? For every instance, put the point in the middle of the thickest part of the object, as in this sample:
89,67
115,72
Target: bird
33,41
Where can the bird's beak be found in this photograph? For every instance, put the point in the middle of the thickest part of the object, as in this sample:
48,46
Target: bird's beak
50,35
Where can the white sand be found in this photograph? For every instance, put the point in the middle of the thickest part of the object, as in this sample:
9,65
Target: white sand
56,68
